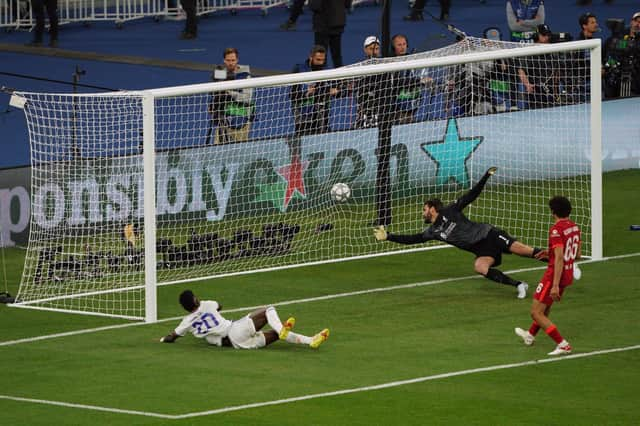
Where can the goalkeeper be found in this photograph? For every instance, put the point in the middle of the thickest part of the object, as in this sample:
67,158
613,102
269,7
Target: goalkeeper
450,225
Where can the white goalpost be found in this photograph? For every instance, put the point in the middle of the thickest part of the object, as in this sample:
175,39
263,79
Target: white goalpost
244,172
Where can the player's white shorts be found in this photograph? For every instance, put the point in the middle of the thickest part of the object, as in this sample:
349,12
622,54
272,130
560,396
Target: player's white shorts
243,335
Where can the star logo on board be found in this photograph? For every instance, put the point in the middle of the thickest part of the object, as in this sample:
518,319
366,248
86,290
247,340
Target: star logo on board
451,154
294,175
290,186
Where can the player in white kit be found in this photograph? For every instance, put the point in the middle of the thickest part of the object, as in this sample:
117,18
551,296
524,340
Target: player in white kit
205,321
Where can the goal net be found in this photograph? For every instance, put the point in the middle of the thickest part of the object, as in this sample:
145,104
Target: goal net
243,170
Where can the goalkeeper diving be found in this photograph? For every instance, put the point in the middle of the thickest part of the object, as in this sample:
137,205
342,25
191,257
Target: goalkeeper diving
488,243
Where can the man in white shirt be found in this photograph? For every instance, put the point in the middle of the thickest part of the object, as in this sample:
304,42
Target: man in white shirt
205,321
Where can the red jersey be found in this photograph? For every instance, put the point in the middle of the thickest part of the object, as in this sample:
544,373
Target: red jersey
566,235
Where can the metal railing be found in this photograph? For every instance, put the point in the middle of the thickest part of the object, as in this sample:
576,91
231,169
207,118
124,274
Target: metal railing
17,14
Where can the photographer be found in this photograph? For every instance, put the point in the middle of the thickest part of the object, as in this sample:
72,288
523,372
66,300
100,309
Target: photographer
634,30
588,26
622,58
232,111
540,75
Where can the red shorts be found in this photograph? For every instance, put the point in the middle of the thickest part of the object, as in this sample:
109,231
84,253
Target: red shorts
543,291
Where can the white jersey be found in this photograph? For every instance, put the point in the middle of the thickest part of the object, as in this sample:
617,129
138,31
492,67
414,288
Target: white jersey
207,322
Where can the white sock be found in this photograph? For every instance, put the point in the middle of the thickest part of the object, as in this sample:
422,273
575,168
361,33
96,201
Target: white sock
273,319
298,338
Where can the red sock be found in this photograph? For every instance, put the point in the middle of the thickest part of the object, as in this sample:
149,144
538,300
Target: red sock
533,330
552,332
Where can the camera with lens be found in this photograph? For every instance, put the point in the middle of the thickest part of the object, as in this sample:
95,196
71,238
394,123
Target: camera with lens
622,66
543,29
560,37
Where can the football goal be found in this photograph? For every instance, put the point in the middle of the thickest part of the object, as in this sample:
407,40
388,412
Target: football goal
132,190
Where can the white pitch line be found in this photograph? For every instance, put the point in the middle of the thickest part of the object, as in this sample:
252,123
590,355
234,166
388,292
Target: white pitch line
296,301
86,407
323,394
70,333
404,382
244,309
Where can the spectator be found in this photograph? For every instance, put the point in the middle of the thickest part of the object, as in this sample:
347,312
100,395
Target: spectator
191,24
581,77
400,45
540,74
634,30
588,26
523,17
38,7
366,88
418,7
475,86
294,14
329,20
408,84
311,101
371,47
232,110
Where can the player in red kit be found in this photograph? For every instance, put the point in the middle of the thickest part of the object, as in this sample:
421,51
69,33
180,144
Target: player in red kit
564,249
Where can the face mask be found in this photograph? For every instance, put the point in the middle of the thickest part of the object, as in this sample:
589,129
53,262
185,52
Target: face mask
316,67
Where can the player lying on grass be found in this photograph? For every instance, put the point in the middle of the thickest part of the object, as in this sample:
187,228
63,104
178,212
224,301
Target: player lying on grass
205,321
450,225
564,249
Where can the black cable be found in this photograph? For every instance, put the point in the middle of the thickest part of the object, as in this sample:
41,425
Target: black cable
30,77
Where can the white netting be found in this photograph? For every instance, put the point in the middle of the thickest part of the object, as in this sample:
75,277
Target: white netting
244,177
82,179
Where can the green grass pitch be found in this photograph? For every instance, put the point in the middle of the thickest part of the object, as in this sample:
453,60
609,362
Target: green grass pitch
427,354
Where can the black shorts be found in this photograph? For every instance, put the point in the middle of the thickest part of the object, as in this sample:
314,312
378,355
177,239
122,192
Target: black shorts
493,245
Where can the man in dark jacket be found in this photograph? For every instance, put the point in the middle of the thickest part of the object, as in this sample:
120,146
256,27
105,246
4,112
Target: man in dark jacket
329,20
418,7
190,8
311,101
38,7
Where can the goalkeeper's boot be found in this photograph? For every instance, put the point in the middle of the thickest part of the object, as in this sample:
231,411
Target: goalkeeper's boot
522,289
563,348
527,337
319,338
286,328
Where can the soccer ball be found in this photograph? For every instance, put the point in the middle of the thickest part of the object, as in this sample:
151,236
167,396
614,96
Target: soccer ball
340,192
577,272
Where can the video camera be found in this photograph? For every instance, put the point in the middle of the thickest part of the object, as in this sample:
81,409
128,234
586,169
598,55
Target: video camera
622,66
543,29
560,37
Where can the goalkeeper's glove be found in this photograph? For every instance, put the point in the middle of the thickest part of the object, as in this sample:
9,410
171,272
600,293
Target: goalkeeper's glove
492,170
380,233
